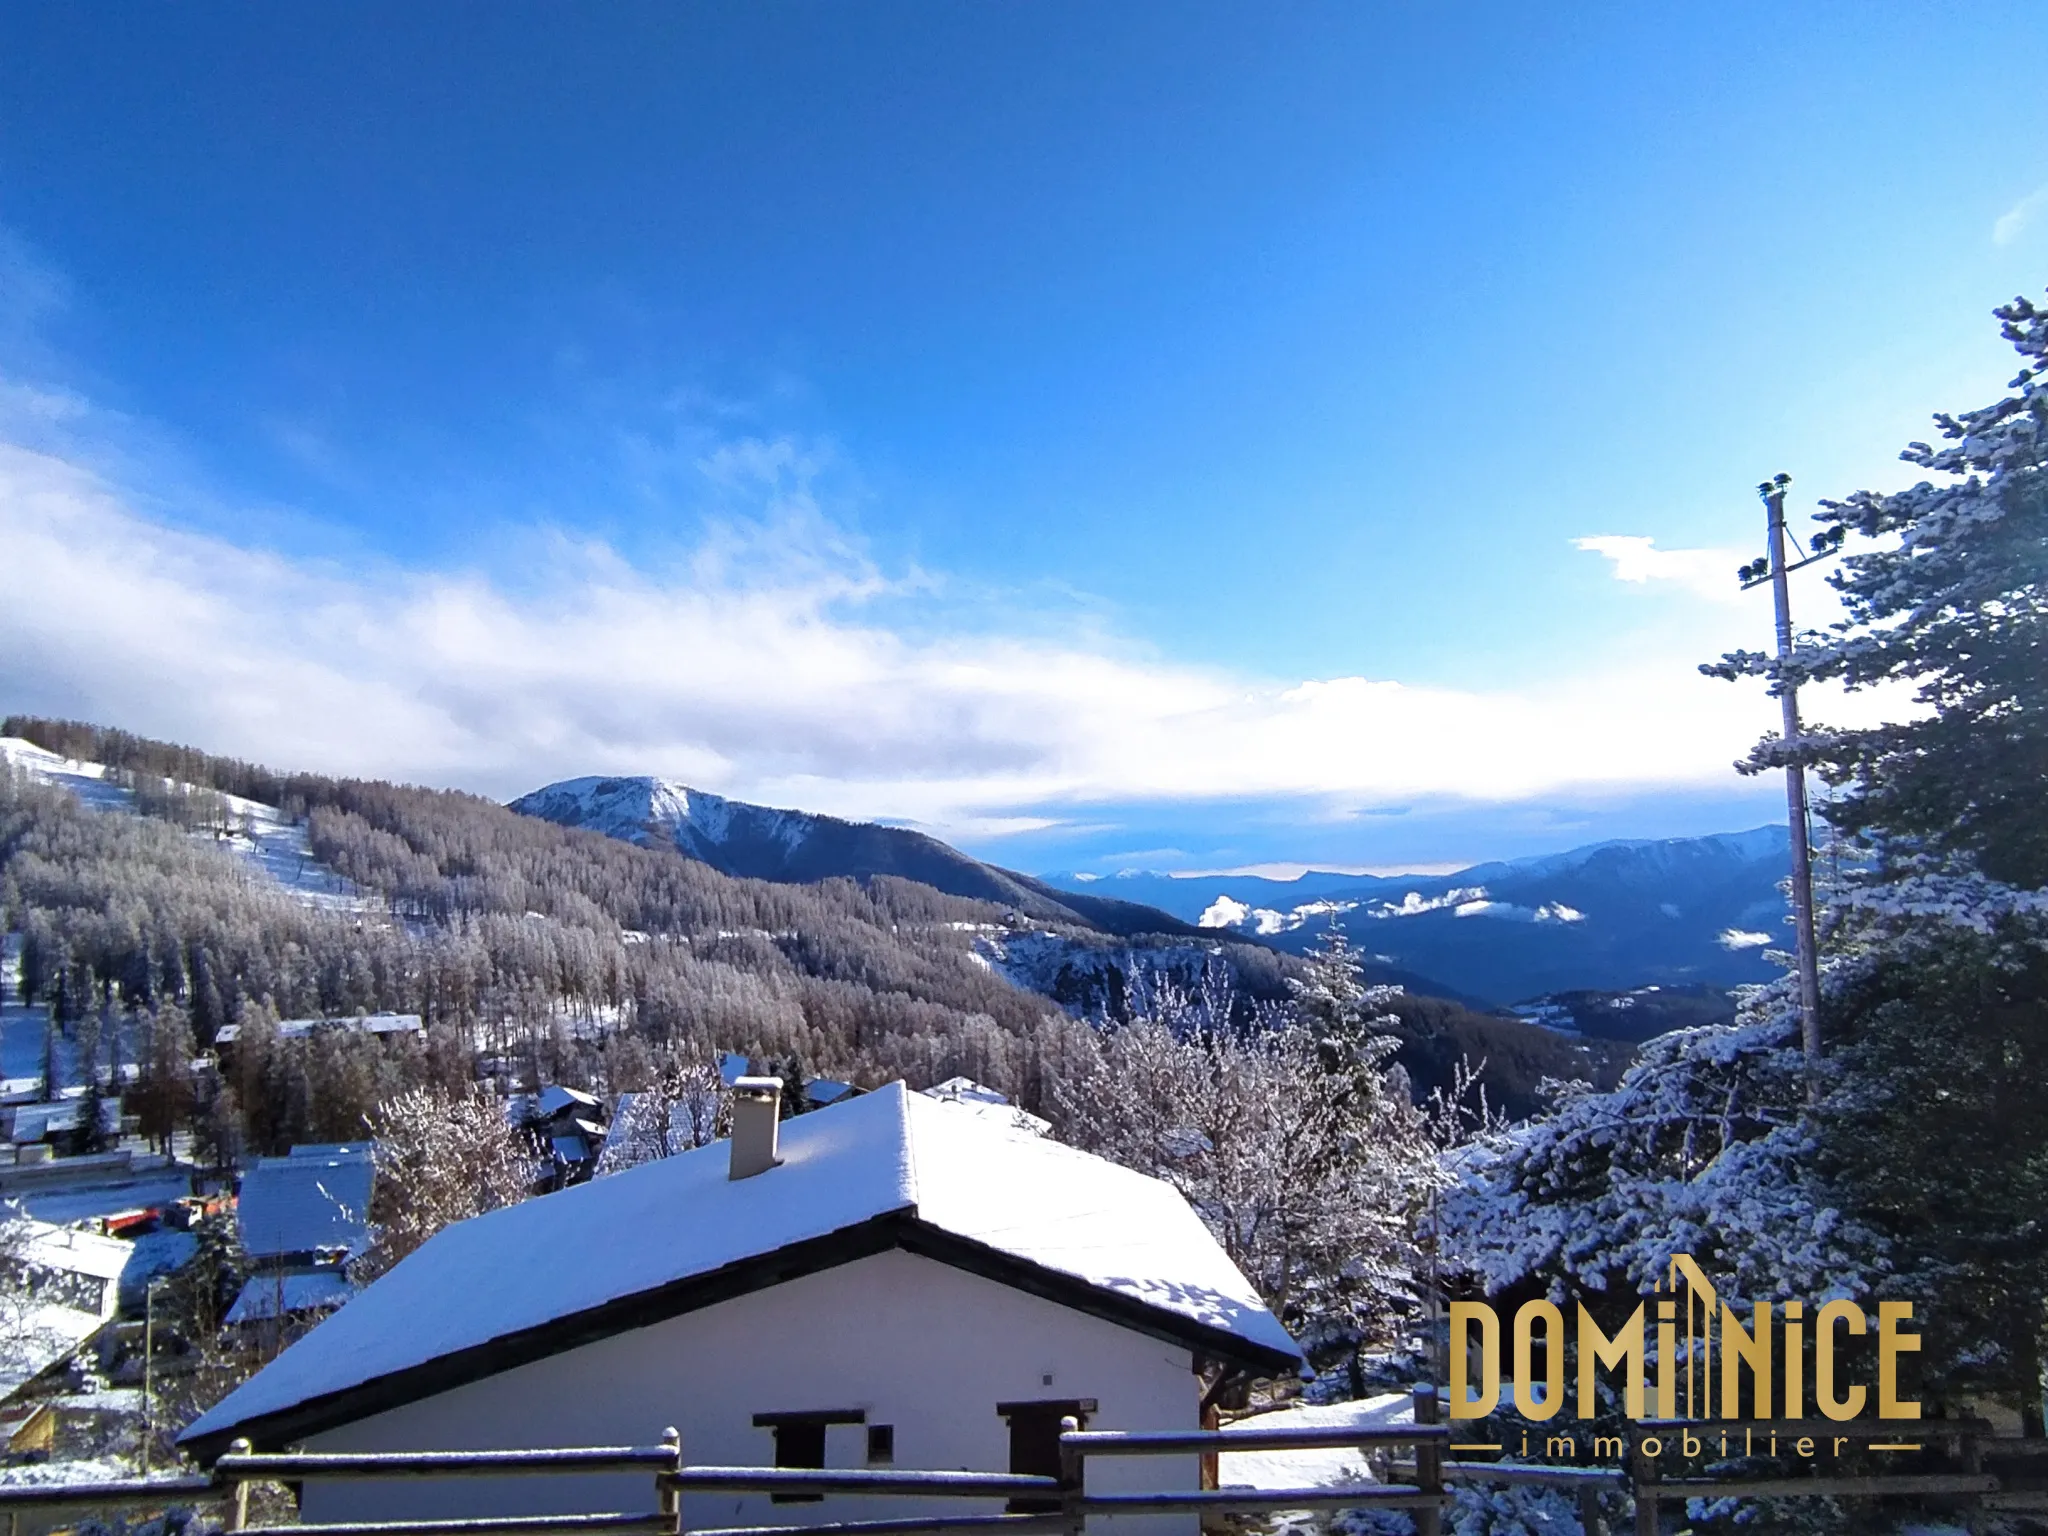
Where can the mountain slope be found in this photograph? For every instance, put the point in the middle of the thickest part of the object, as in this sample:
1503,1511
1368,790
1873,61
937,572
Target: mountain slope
754,842
1698,910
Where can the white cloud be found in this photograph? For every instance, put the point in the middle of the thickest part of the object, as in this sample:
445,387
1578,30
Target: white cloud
1708,572
761,669
2014,221
1223,913
1743,938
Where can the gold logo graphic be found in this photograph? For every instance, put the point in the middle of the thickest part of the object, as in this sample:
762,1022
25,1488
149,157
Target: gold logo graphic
1712,1331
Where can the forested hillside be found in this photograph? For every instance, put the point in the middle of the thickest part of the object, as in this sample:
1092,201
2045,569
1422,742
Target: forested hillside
538,953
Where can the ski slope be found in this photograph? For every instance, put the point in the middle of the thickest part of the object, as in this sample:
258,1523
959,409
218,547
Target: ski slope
263,838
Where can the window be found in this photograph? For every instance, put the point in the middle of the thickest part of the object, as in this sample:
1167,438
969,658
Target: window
800,1441
881,1445
1035,1442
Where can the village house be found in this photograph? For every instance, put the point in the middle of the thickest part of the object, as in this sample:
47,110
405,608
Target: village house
890,1281
567,1128
301,1219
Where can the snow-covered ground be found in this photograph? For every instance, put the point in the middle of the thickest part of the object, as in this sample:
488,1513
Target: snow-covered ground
63,1206
1310,1469
1035,960
264,839
23,1032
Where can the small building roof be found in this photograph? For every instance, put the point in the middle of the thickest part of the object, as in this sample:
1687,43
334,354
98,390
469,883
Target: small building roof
555,1098
887,1170
966,1095
352,1023
965,1089
72,1251
266,1296
293,1205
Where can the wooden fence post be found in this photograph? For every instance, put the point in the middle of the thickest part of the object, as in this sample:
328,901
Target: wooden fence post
1973,1461
669,1494
1073,1478
1429,1461
1643,1485
1590,1520
238,1501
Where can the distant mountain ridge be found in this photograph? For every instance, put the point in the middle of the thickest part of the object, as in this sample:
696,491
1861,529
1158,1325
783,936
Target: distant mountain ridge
1696,911
1612,915
762,843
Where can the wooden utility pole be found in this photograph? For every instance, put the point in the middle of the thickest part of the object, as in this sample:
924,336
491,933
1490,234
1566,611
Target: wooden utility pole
1773,494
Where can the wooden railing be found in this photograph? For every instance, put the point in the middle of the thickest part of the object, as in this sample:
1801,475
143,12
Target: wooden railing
1422,1489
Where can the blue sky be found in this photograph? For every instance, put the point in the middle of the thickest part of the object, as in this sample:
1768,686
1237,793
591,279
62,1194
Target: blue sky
1104,435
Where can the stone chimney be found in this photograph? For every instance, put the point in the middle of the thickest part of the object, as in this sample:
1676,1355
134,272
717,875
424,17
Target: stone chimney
756,1118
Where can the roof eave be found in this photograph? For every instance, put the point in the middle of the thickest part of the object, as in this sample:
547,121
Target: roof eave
878,1234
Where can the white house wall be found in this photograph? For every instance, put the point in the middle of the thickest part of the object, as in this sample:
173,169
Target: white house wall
914,1343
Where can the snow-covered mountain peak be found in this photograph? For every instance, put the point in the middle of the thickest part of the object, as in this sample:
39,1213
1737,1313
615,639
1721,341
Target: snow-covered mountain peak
759,842
648,810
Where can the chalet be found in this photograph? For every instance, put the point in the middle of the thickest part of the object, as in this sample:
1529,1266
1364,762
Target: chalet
567,1129
887,1281
300,1219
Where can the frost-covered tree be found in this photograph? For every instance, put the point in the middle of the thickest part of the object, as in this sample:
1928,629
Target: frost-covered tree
1921,1171
1952,598
1703,1148
686,1107
1311,1185
441,1158
1932,1127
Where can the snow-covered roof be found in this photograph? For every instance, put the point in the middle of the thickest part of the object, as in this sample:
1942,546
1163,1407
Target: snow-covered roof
149,1256
37,1337
965,1095
267,1296
965,1089
332,1149
32,1122
555,1098
71,1251
299,1204
355,1023
890,1168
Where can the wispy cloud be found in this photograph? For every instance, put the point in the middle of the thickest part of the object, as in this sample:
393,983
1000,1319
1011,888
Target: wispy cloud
763,668
2015,221
1707,572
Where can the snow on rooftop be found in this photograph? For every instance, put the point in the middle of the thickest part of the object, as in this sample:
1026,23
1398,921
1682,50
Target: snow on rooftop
958,1088
71,1251
354,1023
292,1205
555,1098
890,1151
266,1296
37,1337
